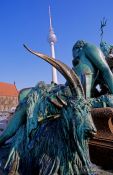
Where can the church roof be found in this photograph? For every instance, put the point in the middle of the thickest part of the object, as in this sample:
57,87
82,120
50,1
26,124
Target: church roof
7,89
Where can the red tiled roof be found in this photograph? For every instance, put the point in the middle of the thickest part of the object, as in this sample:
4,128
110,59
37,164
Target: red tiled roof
7,89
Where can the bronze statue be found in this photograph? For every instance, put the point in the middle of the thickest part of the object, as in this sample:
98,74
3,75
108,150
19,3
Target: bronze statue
52,126
89,64
52,123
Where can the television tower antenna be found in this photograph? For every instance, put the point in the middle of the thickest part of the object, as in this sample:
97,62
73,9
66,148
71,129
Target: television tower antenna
52,40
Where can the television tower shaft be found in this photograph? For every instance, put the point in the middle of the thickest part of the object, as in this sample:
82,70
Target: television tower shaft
52,40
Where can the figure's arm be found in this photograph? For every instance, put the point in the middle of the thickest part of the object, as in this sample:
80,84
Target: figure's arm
16,121
96,56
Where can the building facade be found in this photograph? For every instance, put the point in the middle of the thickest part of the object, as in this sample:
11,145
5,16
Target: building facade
8,97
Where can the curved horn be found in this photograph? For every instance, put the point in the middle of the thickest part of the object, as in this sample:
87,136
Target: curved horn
58,105
69,74
64,103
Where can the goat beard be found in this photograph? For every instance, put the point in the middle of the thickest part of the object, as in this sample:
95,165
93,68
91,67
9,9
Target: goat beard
82,149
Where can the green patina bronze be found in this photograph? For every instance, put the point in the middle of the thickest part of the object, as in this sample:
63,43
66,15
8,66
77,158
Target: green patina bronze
89,63
52,123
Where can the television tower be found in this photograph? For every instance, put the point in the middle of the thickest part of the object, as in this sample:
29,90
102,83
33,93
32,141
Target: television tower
52,40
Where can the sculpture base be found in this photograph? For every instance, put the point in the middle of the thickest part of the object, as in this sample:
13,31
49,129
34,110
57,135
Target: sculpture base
101,152
101,146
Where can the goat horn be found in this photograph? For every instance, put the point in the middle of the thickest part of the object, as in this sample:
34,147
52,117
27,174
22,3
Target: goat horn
68,73
58,105
64,103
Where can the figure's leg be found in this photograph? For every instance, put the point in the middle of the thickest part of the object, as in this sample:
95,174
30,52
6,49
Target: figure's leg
88,85
95,55
86,80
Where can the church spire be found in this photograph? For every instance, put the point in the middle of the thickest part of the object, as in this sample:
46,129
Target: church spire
52,40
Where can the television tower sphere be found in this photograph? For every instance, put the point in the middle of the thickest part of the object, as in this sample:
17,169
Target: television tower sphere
52,37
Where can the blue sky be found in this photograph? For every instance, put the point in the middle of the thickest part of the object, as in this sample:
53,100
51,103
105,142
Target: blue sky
27,21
